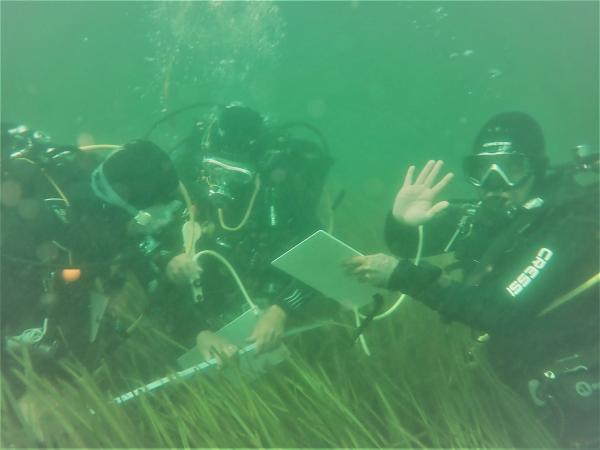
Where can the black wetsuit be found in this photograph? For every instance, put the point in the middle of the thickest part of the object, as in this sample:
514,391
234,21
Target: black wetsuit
514,267
284,213
38,230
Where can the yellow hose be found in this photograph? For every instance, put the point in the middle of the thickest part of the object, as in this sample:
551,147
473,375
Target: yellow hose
234,274
100,147
248,210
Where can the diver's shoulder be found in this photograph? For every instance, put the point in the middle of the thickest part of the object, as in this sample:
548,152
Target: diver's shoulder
564,194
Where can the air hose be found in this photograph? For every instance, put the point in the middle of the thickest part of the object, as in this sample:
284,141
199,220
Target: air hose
86,148
247,213
395,306
403,296
234,274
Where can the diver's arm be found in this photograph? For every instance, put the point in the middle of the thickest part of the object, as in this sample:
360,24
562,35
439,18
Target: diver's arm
531,278
403,239
481,307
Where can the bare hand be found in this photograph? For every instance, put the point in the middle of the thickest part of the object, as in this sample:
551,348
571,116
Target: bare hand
414,203
212,345
182,269
373,269
269,330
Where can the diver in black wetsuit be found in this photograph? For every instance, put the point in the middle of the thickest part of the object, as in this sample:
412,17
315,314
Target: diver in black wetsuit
527,251
257,189
72,227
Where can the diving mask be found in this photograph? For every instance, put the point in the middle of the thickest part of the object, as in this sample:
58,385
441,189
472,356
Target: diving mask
226,178
487,169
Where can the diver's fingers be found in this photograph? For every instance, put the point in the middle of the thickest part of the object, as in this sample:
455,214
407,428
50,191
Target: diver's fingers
269,343
408,177
434,173
442,183
423,175
357,267
362,270
366,277
260,343
266,342
225,352
230,350
214,353
354,261
206,354
257,337
272,341
193,269
437,208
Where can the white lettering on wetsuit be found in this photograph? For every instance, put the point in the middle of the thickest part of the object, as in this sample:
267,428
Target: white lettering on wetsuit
530,272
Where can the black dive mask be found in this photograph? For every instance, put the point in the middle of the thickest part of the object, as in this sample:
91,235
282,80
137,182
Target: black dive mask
497,171
226,179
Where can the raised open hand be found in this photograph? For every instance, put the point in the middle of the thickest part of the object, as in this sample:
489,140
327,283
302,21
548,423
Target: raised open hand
415,202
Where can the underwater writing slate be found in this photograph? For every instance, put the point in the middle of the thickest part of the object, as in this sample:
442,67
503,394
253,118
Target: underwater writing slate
317,261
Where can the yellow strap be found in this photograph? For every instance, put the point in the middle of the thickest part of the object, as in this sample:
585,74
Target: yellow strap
571,294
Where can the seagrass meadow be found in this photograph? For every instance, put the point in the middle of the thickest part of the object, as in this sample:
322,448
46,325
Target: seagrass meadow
407,394
388,84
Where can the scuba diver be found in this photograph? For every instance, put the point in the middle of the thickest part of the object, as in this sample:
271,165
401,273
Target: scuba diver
73,226
257,190
527,251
